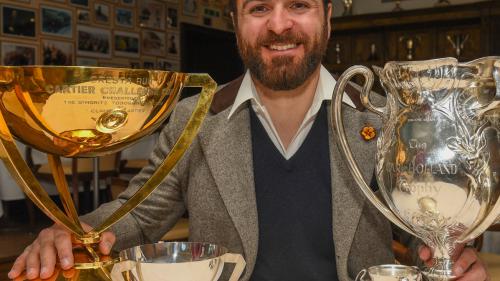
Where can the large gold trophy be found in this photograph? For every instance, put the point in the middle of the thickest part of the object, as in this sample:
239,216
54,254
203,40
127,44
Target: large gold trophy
89,112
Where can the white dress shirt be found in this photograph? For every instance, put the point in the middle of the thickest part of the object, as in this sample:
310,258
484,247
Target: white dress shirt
324,91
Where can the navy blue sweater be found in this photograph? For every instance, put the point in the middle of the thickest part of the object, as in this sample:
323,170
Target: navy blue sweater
294,207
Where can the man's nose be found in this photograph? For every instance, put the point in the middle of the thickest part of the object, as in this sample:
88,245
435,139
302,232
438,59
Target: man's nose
279,21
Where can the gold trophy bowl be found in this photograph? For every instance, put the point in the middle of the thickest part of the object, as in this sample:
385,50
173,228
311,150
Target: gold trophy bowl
89,112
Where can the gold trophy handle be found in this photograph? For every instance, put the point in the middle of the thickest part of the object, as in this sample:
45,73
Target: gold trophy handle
338,126
239,262
188,134
22,174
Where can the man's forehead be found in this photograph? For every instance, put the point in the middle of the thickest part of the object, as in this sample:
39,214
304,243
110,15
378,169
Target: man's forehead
242,3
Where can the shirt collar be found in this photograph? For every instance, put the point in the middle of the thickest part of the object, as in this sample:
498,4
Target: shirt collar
324,91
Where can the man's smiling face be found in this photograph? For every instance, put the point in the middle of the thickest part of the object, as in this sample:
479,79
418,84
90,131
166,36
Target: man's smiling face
281,41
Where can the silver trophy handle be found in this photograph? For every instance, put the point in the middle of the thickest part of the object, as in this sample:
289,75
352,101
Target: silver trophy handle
239,265
361,275
338,126
119,269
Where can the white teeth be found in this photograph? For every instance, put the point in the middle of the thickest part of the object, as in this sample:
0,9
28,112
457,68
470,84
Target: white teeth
282,47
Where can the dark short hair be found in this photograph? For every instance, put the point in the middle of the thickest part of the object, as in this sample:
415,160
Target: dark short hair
232,6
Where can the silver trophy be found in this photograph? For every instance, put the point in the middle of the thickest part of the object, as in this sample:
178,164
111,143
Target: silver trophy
389,272
176,261
438,154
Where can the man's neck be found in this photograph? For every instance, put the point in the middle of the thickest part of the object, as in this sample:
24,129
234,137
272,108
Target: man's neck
288,109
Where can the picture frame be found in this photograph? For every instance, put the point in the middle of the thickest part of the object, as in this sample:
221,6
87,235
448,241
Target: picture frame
127,2
151,14
134,64
102,13
81,3
18,21
56,21
124,17
113,63
172,17
173,47
190,8
82,61
168,65
148,63
93,42
126,44
153,43
14,53
83,16
57,52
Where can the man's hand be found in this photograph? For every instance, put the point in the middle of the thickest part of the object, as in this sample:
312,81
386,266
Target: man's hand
52,244
468,266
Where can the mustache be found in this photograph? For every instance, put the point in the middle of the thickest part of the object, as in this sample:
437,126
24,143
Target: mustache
289,37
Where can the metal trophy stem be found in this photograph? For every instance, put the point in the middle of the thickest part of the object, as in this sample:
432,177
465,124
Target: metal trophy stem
438,154
96,182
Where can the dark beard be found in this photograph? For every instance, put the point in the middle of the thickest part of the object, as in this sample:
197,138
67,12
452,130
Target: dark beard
283,74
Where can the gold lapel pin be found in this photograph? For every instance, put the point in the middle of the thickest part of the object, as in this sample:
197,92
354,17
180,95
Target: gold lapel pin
368,132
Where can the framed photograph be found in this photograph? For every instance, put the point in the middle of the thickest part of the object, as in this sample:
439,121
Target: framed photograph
148,63
93,42
173,44
81,61
56,21
124,17
172,17
189,8
151,14
17,21
84,3
126,44
57,52
18,54
114,64
153,43
128,2
134,64
102,13
83,16
169,65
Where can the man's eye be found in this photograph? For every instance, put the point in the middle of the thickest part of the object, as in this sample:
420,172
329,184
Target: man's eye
258,9
299,6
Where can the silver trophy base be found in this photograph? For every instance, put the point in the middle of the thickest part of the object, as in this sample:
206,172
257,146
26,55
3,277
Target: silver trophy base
441,270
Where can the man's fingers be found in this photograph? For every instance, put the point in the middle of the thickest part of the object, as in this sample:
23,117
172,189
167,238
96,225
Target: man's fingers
33,261
19,264
47,253
466,259
64,249
477,272
424,253
107,241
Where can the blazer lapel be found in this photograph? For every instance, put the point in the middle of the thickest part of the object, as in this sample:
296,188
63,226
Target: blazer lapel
228,150
347,201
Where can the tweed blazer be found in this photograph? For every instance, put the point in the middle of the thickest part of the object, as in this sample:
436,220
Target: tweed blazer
214,183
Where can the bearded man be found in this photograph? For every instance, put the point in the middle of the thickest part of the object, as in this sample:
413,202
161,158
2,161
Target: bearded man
264,177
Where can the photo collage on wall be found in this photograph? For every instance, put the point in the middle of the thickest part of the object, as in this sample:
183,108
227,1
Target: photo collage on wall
111,33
